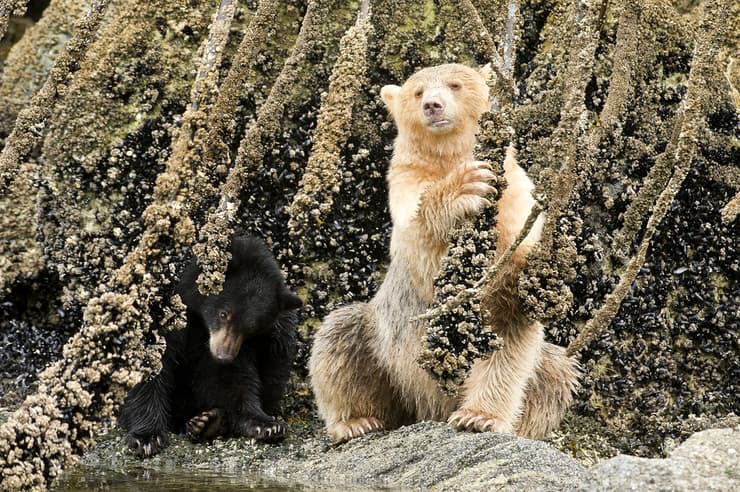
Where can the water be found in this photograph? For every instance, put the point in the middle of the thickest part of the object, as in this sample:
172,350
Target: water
86,478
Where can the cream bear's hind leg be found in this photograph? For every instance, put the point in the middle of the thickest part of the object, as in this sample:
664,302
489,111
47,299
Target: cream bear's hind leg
352,389
493,394
549,393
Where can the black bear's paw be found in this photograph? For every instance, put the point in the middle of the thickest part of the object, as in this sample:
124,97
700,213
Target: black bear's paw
146,445
205,426
264,430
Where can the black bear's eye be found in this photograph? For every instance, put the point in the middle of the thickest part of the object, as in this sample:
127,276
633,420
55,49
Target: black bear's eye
222,315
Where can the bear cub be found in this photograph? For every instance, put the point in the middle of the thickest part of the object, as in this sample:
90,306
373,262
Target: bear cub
226,372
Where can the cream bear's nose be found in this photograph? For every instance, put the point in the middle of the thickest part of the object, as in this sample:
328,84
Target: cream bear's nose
433,106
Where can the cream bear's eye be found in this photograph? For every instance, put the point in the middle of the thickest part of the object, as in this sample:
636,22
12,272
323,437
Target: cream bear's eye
418,92
454,85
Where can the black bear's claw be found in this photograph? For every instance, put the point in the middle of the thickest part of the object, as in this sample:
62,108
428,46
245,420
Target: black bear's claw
268,431
146,445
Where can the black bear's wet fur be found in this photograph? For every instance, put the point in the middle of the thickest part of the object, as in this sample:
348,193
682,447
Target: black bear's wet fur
210,388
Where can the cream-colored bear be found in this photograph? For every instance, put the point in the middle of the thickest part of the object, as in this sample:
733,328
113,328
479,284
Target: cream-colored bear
363,363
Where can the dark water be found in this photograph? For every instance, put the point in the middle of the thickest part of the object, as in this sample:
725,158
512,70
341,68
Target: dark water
86,479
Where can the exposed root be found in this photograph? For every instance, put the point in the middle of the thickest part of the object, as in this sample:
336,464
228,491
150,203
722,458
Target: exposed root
29,126
220,224
705,53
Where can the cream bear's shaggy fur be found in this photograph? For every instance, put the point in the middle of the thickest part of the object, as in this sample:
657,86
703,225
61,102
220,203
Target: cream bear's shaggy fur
363,363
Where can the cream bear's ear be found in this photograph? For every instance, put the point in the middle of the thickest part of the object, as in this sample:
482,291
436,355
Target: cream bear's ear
486,71
388,94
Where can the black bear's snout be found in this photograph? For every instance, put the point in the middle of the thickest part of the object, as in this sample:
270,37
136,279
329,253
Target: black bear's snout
225,344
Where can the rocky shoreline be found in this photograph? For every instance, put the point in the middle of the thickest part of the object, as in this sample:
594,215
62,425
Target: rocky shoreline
425,456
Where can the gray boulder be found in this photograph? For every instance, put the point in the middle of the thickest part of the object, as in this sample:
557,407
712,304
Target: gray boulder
433,456
708,460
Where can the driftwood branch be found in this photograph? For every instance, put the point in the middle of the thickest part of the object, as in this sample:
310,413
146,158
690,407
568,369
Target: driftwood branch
215,234
321,179
504,80
731,210
222,119
8,8
573,123
509,38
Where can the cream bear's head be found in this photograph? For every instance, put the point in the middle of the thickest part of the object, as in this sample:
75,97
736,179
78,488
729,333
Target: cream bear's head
439,100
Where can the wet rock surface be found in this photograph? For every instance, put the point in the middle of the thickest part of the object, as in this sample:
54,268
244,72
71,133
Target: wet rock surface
425,456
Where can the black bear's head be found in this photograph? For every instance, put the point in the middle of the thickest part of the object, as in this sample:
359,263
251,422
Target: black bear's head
253,296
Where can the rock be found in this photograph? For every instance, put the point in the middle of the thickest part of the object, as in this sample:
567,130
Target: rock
433,456
708,460
429,456
425,456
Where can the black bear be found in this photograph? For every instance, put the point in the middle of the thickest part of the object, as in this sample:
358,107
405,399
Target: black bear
225,373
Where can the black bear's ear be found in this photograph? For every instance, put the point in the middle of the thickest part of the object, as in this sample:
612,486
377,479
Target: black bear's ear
288,300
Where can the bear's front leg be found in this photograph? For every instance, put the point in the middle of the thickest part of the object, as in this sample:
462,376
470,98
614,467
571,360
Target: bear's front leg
145,415
250,418
148,444
275,356
146,411
461,194
471,184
